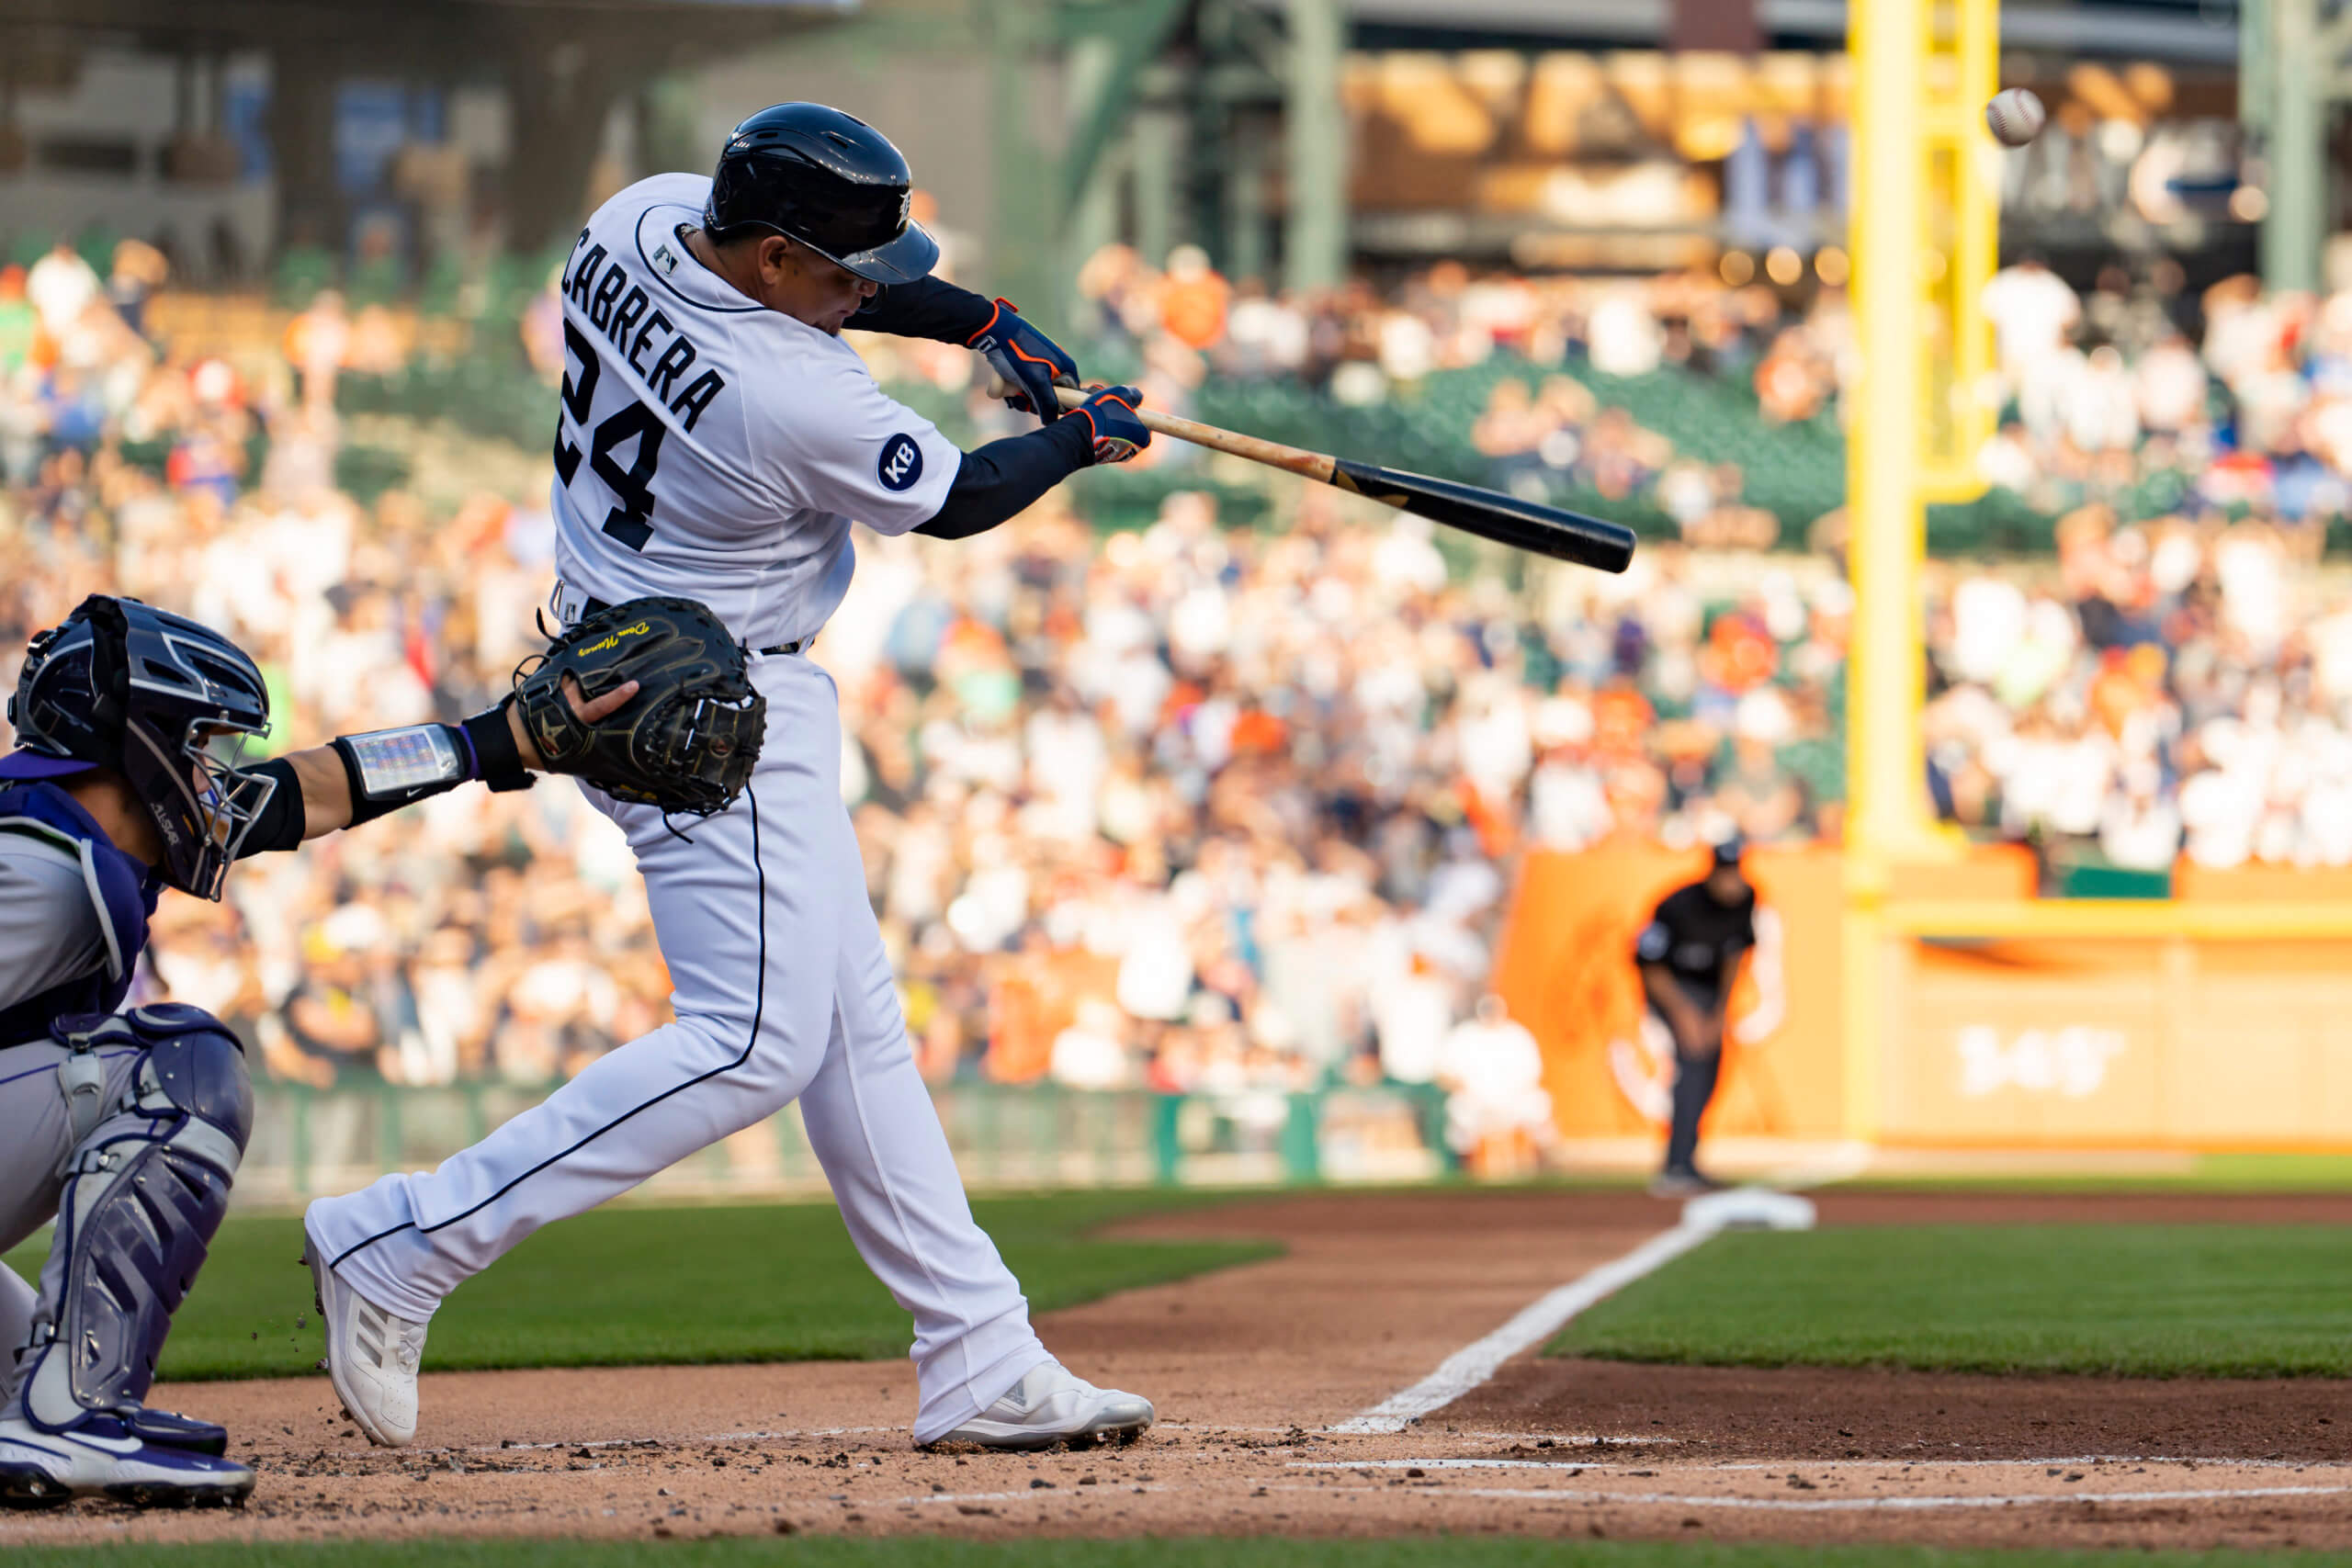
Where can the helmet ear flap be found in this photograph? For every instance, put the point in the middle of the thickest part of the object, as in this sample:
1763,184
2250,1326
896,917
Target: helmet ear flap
72,692
109,663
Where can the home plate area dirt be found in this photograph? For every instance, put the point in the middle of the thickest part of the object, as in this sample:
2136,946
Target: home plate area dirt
1252,1367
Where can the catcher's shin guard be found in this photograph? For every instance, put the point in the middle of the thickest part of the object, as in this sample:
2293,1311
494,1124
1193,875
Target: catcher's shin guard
148,1188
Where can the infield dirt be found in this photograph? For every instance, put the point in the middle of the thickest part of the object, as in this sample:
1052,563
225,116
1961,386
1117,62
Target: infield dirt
1251,1365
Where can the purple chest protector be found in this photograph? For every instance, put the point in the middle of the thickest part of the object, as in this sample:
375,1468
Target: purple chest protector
122,889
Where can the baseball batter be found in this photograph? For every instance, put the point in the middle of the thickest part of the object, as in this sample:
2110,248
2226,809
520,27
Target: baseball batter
715,439
127,1128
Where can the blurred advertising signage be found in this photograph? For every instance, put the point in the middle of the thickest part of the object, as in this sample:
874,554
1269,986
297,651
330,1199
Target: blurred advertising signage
2082,1043
1584,141
1753,147
2070,1061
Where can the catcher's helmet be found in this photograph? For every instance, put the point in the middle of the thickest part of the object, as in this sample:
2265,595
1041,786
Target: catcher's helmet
165,703
827,179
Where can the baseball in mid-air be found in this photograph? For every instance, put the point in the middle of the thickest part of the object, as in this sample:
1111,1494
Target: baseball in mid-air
2015,117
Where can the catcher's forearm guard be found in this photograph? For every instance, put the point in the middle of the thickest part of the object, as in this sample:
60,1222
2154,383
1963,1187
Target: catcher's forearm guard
388,769
689,738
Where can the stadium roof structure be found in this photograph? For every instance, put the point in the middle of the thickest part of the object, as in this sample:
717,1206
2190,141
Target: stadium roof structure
248,24
2145,30
563,63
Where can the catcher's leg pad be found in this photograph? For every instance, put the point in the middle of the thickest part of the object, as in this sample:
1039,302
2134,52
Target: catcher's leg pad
146,1192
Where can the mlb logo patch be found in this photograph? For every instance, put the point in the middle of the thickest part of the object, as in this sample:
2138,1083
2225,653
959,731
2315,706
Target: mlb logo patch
665,260
900,464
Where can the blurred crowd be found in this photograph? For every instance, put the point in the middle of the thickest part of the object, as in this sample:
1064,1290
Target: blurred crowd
1197,806
1364,343
2165,690
2137,392
1249,800
2233,401
475,937
1534,430
2180,683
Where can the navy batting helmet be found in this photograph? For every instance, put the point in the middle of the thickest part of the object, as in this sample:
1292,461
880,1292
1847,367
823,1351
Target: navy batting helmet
827,179
165,703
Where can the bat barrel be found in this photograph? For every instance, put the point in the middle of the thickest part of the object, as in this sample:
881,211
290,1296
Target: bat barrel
1523,525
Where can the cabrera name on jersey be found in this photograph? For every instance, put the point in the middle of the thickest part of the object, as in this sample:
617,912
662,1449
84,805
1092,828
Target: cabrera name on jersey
709,447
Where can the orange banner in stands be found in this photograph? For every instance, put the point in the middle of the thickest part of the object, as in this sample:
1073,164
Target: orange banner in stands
1566,970
1032,996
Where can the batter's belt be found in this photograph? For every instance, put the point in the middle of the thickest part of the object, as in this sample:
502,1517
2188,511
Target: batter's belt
574,604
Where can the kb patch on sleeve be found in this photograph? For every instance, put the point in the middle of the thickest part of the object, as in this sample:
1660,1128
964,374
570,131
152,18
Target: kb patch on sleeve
900,464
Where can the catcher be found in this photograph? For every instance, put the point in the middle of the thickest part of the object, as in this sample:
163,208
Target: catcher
127,1128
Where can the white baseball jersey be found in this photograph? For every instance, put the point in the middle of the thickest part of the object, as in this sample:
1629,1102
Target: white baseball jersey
709,447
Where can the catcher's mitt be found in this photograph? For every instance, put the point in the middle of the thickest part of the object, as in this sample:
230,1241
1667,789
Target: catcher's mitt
687,743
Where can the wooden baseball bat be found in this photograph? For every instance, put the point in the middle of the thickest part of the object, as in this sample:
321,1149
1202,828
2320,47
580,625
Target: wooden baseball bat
1523,525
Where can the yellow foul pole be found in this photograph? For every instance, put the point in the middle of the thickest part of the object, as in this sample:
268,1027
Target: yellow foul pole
1883,503
1922,240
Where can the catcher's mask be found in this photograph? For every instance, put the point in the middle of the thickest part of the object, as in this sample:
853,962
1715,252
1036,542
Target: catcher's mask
164,701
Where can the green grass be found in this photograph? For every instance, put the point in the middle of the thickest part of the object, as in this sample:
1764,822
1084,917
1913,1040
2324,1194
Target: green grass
1193,1551
2138,1300
2310,1173
634,1287
2206,1173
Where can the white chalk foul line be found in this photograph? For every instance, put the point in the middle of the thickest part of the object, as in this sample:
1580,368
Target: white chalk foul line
1587,1466
1572,1466
1852,1505
1538,1321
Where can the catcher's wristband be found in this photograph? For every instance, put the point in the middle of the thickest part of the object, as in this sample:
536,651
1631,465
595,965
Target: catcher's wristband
497,761
282,820
388,769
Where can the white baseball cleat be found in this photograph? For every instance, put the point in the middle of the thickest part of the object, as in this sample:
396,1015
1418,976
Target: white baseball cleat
99,1456
1052,1404
372,1354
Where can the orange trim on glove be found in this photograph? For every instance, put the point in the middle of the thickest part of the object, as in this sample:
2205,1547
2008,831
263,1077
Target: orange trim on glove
1000,307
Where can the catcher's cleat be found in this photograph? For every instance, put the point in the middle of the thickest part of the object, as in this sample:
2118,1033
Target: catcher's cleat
372,1355
1052,1405
170,1429
101,1456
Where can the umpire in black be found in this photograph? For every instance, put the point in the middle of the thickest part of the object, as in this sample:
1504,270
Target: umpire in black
1689,954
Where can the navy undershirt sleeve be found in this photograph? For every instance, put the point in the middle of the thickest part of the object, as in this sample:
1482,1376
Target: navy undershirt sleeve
1004,477
926,308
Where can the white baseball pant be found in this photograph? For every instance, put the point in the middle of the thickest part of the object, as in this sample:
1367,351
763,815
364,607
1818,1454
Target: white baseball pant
782,991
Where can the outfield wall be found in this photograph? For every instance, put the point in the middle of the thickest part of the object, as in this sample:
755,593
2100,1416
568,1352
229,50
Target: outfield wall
2197,1032
307,1143
2232,1032
2165,1041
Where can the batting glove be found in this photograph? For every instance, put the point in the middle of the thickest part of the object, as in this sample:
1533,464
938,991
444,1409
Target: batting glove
1025,359
1119,432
